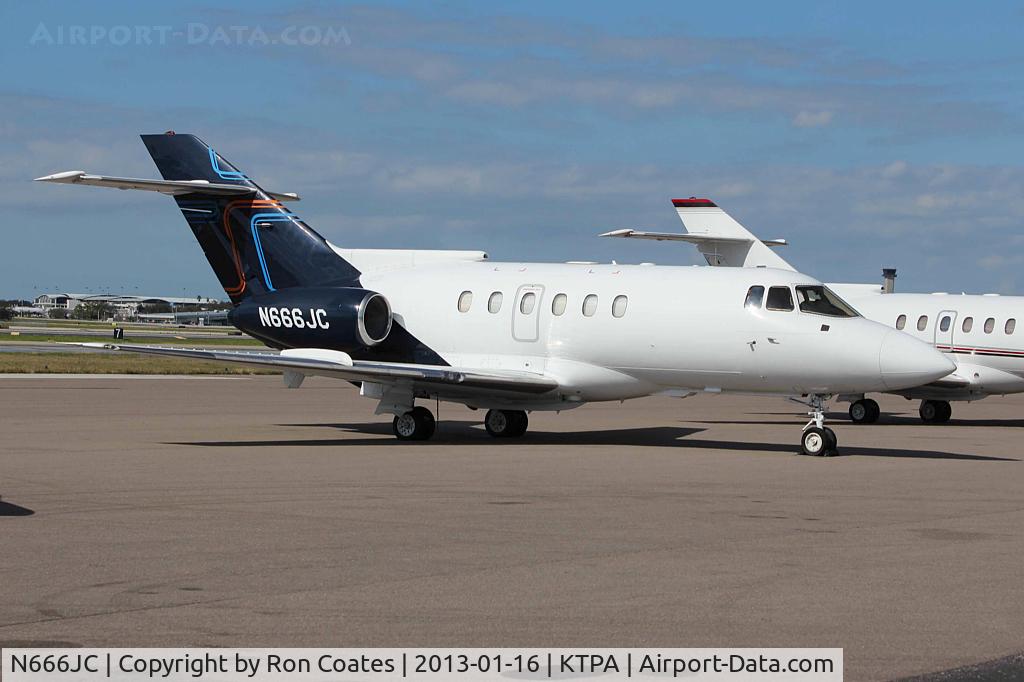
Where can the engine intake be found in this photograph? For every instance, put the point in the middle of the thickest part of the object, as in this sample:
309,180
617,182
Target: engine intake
373,321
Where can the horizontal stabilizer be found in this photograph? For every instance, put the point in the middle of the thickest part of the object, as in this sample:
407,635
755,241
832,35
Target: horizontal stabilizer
672,236
171,187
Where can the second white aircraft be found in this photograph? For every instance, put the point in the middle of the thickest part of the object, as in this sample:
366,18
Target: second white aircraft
980,333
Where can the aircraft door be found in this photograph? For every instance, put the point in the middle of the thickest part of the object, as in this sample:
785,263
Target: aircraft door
526,313
944,328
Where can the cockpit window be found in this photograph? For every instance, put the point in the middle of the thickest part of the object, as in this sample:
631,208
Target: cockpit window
822,301
779,298
755,295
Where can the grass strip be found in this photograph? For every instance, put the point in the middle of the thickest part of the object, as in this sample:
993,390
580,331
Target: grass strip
115,363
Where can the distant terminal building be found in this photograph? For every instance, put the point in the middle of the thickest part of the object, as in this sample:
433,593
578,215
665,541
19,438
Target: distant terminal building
142,308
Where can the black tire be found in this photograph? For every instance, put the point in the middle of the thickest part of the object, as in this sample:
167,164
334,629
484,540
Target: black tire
815,442
520,422
506,423
404,426
428,425
865,411
876,411
833,442
945,412
930,411
497,423
416,424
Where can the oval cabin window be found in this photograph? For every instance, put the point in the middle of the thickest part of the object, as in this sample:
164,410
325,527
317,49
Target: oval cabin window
494,302
968,324
901,321
590,305
619,306
1011,324
558,304
922,323
527,302
990,324
465,301
944,323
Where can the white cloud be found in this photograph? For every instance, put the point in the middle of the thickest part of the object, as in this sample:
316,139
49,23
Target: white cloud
894,170
812,119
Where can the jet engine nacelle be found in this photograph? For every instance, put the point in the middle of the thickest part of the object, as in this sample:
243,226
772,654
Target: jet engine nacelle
341,318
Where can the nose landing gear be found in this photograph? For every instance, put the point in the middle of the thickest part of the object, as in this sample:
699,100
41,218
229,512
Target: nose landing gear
818,440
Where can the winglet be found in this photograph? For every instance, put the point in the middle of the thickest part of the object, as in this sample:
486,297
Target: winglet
66,176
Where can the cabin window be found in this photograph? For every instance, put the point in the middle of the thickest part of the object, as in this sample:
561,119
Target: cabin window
590,305
901,321
619,306
558,304
755,295
922,323
968,324
465,301
990,324
780,298
944,323
527,302
821,301
494,302
1011,324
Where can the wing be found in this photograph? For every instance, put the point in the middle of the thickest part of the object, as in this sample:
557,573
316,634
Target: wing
330,363
172,187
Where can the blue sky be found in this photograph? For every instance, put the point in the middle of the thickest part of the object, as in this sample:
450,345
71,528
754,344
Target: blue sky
868,134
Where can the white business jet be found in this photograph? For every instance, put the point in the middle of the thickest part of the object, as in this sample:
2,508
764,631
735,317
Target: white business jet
978,332
512,337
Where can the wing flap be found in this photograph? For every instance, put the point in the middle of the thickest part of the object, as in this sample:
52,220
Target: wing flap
171,187
338,365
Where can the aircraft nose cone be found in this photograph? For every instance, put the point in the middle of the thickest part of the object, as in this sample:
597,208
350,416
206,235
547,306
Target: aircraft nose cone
905,362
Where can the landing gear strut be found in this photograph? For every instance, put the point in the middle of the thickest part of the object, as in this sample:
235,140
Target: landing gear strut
935,411
506,423
864,411
817,440
416,424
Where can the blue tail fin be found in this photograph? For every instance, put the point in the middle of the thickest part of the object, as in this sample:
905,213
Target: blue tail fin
253,242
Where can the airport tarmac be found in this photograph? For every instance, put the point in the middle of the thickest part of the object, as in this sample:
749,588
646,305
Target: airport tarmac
232,511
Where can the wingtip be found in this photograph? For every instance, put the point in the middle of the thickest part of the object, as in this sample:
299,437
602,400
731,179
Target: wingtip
63,176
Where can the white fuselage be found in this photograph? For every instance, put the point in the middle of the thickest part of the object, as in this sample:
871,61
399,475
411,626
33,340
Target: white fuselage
979,333
673,328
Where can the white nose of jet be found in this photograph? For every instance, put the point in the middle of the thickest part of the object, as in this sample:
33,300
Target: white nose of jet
905,362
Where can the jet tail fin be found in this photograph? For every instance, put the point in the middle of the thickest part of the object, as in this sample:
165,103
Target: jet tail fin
253,241
723,241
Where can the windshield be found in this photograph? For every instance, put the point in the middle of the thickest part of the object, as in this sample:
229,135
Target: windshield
822,301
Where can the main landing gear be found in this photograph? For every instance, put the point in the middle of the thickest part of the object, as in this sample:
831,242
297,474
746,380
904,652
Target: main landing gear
416,424
864,411
419,424
506,423
935,411
818,440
